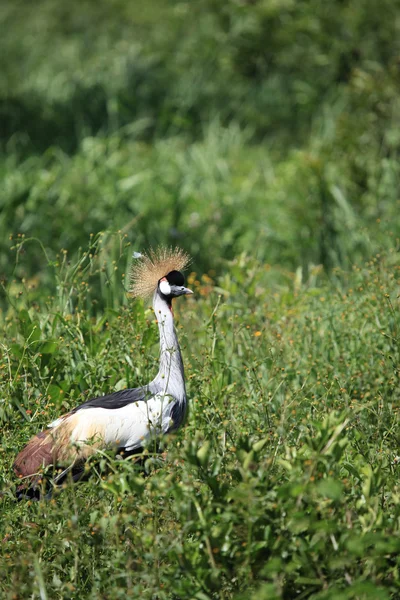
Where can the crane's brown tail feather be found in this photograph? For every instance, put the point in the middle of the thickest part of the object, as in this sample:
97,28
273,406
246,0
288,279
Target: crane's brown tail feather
37,454
50,447
53,447
43,451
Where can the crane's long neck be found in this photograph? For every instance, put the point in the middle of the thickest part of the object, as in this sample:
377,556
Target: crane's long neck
170,377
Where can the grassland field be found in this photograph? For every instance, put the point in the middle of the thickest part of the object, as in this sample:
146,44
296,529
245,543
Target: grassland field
264,139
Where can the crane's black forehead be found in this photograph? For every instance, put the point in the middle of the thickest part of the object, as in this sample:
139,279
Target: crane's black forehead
175,278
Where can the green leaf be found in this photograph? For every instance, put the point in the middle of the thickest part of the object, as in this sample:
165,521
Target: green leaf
54,391
368,591
260,444
331,488
203,453
24,317
120,385
49,347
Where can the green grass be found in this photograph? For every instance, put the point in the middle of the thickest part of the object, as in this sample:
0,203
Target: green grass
263,137
225,125
218,196
282,484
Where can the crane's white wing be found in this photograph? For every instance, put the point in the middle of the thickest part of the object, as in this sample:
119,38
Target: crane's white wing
128,427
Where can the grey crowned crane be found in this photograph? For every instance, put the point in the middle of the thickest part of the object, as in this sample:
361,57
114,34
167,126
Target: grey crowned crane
126,420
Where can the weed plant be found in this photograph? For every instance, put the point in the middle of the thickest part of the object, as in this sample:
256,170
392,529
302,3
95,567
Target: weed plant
221,193
224,125
282,484
263,137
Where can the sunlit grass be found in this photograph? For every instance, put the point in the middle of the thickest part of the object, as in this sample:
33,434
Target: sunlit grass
285,477
263,138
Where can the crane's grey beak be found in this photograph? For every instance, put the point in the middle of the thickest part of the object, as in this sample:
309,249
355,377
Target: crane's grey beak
179,290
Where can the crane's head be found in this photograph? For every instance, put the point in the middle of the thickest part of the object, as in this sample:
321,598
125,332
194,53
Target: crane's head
160,270
172,285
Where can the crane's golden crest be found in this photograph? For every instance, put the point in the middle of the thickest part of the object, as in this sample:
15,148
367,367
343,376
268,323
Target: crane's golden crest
147,270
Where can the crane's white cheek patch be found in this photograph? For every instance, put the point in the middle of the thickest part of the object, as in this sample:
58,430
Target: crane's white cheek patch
165,288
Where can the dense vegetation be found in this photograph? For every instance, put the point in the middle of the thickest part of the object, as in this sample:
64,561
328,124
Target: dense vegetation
263,137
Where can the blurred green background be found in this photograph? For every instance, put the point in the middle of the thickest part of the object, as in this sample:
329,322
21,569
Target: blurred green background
224,126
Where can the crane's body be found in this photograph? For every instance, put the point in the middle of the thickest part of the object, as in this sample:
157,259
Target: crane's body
126,420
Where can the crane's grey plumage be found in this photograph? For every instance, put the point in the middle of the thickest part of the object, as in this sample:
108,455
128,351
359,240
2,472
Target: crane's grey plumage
129,419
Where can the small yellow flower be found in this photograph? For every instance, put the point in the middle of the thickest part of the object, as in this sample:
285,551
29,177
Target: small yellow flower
257,333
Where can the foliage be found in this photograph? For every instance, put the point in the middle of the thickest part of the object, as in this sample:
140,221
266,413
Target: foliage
169,120
217,193
267,64
283,483
131,125
263,137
